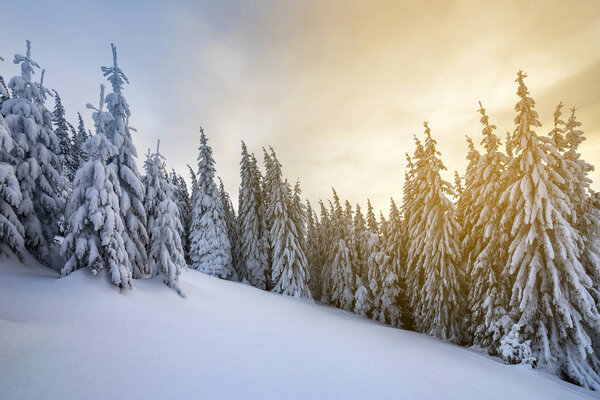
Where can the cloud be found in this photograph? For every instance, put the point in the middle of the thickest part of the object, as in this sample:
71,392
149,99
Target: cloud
339,88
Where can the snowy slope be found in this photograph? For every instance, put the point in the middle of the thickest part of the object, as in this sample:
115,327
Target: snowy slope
78,338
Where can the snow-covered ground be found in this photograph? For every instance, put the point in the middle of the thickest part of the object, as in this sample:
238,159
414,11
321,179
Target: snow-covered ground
79,338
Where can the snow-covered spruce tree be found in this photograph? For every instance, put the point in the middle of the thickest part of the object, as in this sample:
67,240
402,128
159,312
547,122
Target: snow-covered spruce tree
266,189
362,296
253,268
434,274
342,275
342,270
587,215
65,146
393,285
37,164
184,205
551,301
485,245
462,192
79,155
94,234
326,251
360,231
11,229
341,294
352,242
313,256
194,181
298,215
4,94
383,280
210,248
290,270
373,281
407,199
131,200
232,230
165,250
265,249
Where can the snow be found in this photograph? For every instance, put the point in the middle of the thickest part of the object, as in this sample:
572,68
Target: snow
78,337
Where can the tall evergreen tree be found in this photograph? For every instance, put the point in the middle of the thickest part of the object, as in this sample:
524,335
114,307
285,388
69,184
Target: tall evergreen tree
184,205
232,229
313,256
4,94
342,268
265,249
586,216
210,247
362,239
551,301
131,199
383,279
95,228
79,154
37,165
11,229
326,251
434,273
65,146
485,244
290,271
165,249
362,296
252,251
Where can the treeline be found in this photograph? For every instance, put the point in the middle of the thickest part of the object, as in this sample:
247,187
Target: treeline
507,259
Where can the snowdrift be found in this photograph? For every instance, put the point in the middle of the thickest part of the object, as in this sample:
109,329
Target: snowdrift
79,338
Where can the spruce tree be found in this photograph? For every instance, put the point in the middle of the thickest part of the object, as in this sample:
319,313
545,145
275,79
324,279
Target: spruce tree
342,295
232,230
290,271
393,285
298,214
4,94
184,205
362,296
65,146
551,301
253,266
94,234
37,164
326,251
131,200
360,230
434,274
79,155
265,249
485,244
11,229
165,249
313,256
210,248
383,279
342,274
586,216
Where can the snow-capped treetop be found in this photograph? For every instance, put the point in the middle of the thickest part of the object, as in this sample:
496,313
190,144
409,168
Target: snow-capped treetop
115,75
557,131
371,220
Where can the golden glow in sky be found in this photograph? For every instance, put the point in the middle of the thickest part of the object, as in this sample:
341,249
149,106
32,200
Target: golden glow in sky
338,88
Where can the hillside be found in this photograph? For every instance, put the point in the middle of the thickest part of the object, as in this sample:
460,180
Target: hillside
78,337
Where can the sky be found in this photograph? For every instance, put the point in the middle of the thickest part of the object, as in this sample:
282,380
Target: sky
338,88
